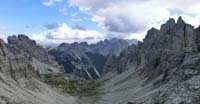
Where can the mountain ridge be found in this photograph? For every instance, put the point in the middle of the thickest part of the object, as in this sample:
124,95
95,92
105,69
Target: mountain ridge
87,60
163,69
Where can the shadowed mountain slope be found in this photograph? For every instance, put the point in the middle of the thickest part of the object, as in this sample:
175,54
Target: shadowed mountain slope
87,60
163,69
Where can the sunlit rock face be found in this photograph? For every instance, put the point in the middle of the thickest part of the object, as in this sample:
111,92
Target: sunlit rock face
38,55
19,78
14,63
29,46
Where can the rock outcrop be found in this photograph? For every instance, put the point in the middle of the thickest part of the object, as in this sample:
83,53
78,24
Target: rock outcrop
29,46
39,56
163,68
14,64
19,83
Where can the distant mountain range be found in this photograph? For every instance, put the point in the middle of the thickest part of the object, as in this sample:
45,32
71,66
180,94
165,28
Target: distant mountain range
87,60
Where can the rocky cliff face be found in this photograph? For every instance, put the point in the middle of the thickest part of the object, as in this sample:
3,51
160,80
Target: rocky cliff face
86,60
39,56
163,68
19,83
29,46
14,64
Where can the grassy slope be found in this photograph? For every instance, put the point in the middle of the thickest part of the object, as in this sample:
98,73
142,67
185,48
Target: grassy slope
73,86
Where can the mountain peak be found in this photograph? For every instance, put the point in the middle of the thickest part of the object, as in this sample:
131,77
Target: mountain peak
169,24
171,21
180,20
20,39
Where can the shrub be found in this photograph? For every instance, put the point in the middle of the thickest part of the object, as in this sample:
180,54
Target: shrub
74,87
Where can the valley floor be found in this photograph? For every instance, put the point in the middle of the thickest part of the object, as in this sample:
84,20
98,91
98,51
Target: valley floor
30,91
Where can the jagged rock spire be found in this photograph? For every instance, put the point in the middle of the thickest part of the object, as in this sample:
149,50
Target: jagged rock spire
180,21
169,24
171,21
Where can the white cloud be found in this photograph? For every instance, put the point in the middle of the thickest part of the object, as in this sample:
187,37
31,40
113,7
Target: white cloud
74,14
134,17
50,2
100,20
64,33
139,36
63,10
76,19
3,37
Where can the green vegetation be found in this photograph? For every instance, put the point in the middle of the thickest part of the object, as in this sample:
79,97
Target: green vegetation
159,102
74,87
81,88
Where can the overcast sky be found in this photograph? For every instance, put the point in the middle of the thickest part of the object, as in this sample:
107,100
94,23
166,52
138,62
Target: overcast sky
56,21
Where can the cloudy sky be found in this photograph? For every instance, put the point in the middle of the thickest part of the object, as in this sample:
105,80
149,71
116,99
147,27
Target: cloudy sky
55,21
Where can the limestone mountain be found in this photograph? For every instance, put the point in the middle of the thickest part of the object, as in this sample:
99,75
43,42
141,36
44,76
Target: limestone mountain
29,46
39,55
19,81
163,69
87,60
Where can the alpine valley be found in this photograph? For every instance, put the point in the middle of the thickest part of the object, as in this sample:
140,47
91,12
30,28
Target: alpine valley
162,69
